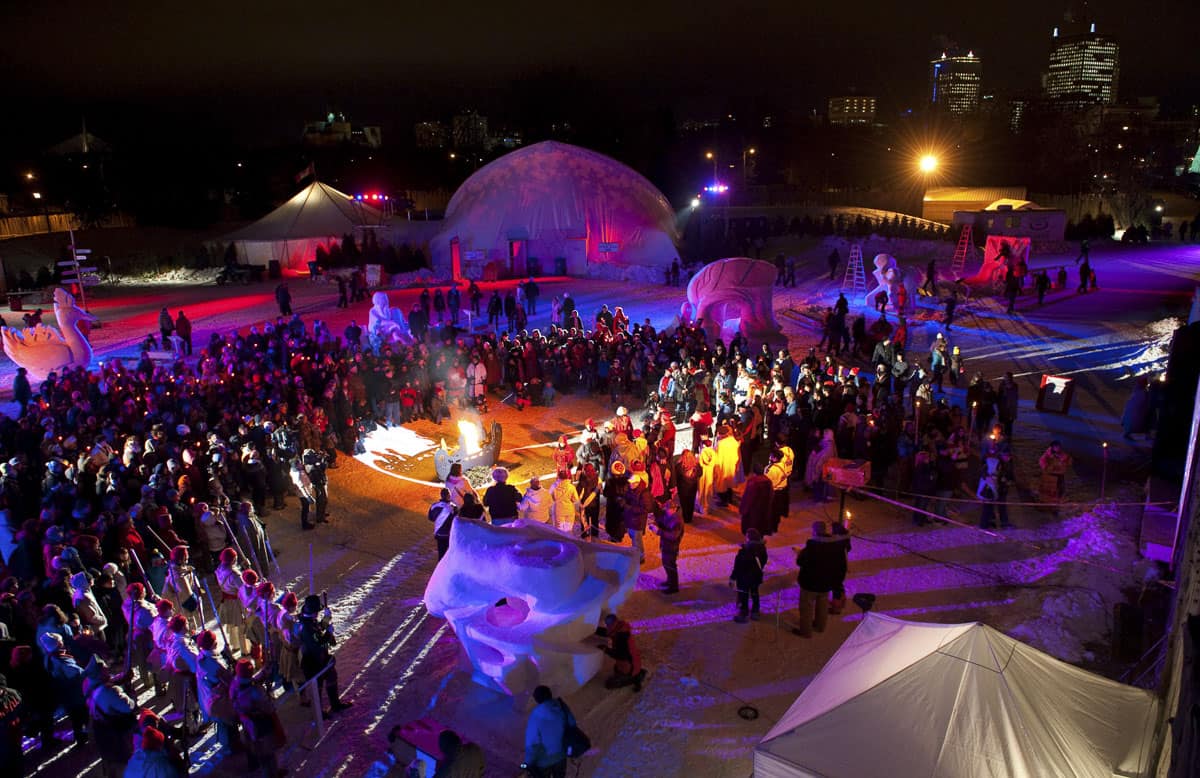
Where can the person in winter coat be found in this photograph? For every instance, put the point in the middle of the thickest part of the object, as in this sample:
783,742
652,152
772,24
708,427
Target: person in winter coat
822,565
262,733
564,505
778,472
66,681
290,673
458,485
688,473
181,586
988,492
755,505
213,678
152,759
1008,403
747,575
535,505
707,459
86,606
615,489
638,505
728,451
814,471
669,529
502,498
113,717
588,488
545,753
305,491
442,513
627,667
183,328
229,582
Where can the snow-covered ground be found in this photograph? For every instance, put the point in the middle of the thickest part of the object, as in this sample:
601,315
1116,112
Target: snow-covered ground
1052,581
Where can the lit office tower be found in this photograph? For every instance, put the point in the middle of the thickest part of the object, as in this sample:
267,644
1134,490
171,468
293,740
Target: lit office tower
1084,66
851,109
954,83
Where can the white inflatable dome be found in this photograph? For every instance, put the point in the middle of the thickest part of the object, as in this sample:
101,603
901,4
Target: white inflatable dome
554,201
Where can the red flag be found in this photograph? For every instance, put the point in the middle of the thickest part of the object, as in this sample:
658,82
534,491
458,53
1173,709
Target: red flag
307,172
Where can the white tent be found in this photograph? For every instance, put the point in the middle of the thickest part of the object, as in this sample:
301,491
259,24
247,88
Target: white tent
551,201
956,700
316,216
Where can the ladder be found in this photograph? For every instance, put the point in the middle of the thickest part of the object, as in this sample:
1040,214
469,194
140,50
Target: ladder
855,280
962,252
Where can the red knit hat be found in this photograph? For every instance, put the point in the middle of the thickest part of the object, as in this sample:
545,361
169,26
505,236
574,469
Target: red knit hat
136,590
178,623
152,739
164,606
179,554
290,600
207,640
266,590
147,718
244,669
249,577
228,556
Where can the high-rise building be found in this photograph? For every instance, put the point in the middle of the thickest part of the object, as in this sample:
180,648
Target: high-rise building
469,130
1084,66
954,82
851,109
431,135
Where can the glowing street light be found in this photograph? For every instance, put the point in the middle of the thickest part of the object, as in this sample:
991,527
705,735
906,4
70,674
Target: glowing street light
927,164
695,202
37,195
29,176
750,151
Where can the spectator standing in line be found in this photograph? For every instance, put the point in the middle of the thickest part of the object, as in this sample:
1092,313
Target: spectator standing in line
821,563
442,513
747,575
183,328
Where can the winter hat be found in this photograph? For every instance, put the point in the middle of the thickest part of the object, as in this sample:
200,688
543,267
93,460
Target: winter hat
249,577
266,590
622,411
290,601
179,554
79,582
147,718
228,556
152,739
136,590
535,483
177,624
164,606
312,605
244,669
207,640
50,642
618,468
500,475
110,568
753,536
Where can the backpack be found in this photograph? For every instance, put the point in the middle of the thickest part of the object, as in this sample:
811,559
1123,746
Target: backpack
575,742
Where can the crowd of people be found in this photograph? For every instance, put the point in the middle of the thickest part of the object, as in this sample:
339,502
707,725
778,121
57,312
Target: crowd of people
137,491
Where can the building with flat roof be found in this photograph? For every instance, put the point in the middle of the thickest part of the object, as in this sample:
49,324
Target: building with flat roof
954,82
851,109
1084,66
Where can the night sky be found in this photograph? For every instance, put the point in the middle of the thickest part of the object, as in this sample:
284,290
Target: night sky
258,68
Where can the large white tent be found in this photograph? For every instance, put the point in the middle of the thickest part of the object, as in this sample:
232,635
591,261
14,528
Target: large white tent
317,215
957,700
552,201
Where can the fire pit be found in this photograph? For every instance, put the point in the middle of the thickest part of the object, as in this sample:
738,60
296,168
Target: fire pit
474,448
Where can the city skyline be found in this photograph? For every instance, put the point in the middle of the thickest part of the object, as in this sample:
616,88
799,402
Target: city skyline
246,69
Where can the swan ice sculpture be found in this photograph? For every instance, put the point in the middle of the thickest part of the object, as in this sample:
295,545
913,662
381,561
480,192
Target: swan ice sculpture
385,323
42,350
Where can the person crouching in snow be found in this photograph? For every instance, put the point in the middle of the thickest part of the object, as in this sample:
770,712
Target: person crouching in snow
747,575
627,669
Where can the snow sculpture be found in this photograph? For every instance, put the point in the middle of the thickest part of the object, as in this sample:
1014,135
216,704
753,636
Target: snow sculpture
385,323
523,598
735,295
42,350
901,287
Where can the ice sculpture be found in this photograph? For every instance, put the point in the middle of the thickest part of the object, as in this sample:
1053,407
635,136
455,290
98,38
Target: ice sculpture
735,295
41,350
523,598
385,323
999,252
901,287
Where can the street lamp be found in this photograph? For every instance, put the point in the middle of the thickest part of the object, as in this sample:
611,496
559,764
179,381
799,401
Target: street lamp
712,157
29,176
927,164
751,151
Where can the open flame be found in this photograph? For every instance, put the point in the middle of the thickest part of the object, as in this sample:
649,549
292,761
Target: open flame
470,435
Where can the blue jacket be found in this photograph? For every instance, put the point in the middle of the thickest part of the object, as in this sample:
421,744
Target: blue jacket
544,734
